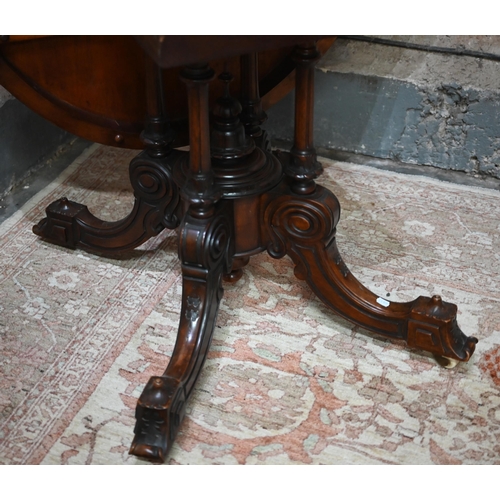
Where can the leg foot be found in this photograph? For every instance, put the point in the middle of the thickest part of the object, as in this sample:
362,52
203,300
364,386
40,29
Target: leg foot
237,270
303,226
159,412
156,207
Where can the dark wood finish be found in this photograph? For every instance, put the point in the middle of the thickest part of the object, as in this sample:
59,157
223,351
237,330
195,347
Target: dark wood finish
303,166
234,199
94,86
156,207
236,272
175,50
301,218
205,250
156,197
303,227
158,135
252,114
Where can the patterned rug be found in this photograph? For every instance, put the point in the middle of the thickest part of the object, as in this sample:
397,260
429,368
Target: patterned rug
286,381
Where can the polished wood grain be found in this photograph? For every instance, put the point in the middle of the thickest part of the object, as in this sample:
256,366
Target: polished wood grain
231,198
95,86
205,251
304,227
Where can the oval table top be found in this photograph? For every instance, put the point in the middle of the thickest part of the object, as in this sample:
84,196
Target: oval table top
94,86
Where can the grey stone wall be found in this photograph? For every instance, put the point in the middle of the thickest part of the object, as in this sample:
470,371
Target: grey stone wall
26,141
416,107
4,96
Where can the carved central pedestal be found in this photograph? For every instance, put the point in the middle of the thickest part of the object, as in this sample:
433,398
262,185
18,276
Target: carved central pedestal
231,198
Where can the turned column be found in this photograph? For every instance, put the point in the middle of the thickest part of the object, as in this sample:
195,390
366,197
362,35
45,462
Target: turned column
252,115
157,135
199,189
303,166
206,248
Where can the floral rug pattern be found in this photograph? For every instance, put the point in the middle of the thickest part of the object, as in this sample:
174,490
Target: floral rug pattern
286,380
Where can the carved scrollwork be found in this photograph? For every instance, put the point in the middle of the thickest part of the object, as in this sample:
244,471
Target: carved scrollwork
153,184
156,206
150,181
303,226
159,412
304,220
206,250
218,239
205,242
433,326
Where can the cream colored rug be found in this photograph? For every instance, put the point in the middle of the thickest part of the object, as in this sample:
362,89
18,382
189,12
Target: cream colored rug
286,381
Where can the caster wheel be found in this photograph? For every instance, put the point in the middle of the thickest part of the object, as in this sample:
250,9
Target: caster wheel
445,362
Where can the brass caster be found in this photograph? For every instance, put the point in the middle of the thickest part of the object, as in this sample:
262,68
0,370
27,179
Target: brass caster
445,362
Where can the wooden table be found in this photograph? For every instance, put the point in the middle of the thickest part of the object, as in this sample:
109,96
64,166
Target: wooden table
230,198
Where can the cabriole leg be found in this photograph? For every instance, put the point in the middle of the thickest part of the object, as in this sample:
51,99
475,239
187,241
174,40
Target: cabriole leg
304,228
205,248
156,204
301,218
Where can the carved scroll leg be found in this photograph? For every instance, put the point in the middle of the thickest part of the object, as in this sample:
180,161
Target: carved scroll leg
156,207
205,249
156,203
304,228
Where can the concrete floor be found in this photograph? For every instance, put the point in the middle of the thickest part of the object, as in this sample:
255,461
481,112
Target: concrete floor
453,176
415,106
